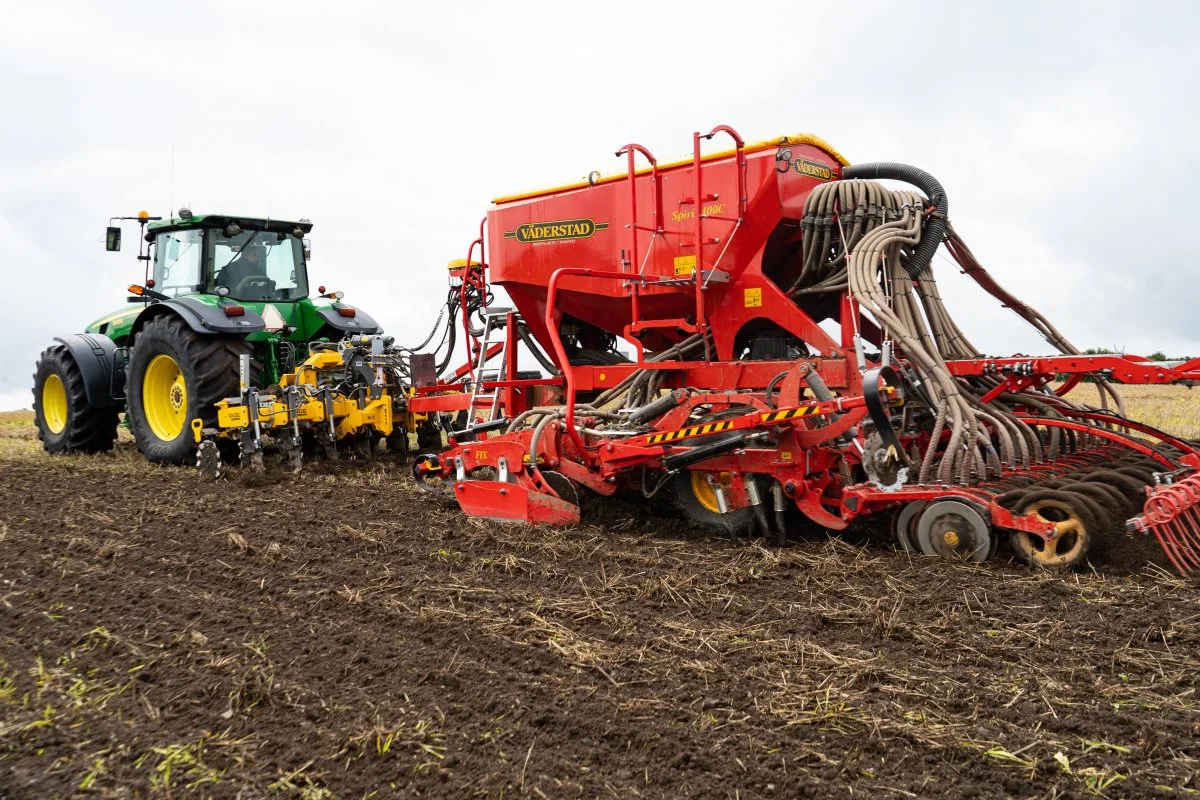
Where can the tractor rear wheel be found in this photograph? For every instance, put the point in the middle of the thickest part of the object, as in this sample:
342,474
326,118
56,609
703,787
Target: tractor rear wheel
65,421
175,376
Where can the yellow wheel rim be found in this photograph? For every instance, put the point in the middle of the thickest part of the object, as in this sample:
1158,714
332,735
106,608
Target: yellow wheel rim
164,397
54,404
703,490
1070,539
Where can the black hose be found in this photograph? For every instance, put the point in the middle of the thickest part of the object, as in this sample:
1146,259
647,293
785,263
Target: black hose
935,228
656,408
770,394
531,343
451,334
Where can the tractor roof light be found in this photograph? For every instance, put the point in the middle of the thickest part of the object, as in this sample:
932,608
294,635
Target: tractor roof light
143,216
135,289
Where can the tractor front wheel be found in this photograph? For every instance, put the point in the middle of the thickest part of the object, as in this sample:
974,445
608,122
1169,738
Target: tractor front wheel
65,421
175,376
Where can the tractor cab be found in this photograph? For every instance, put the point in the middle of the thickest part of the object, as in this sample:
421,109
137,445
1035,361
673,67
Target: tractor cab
250,260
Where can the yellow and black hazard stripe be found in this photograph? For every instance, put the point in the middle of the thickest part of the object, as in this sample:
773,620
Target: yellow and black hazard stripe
787,413
695,430
724,425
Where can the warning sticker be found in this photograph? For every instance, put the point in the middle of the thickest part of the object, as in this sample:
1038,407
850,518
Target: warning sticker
684,265
753,298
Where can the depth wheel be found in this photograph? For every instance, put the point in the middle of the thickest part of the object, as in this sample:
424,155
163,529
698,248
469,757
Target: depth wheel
954,528
176,375
65,421
433,476
1073,537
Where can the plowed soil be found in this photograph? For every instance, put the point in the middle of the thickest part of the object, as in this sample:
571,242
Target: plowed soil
341,634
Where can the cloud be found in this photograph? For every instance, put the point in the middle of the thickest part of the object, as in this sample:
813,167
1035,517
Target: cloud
1062,132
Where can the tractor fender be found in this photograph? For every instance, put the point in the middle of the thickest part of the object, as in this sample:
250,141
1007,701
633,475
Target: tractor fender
202,317
103,369
361,322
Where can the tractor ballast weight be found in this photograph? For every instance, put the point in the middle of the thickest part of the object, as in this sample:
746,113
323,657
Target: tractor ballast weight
726,273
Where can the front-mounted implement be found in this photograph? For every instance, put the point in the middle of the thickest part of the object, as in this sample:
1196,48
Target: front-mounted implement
351,392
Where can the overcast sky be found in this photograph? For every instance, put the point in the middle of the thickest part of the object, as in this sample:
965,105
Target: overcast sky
1066,135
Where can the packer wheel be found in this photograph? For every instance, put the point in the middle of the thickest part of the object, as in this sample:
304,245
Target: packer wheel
1073,535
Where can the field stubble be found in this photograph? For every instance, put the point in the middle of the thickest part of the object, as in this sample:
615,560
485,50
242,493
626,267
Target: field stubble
337,634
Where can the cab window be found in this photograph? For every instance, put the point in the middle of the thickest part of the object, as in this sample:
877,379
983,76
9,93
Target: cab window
177,263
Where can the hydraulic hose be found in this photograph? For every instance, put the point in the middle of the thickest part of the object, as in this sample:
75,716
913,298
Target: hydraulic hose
532,344
935,228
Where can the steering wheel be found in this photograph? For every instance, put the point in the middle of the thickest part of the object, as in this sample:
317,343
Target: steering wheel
251,282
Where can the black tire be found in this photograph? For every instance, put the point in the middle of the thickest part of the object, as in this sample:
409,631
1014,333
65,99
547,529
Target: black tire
209,365
74,426
429,436
699,507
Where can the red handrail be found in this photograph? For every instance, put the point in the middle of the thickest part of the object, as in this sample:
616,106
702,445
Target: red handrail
697,166
740,157
632,150
481,284
553,318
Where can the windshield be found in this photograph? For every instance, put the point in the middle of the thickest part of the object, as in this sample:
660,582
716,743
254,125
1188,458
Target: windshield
258,265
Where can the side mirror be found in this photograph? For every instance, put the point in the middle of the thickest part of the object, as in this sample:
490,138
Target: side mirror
112,239
307,250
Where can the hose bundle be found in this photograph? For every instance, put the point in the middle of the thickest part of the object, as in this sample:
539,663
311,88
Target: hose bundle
878,244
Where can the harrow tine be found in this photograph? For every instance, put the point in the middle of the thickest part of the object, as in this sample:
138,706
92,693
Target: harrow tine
1180,545
1190,535
1186,523
1162,534
1170,514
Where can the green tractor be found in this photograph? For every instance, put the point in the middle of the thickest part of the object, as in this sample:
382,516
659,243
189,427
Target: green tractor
216,287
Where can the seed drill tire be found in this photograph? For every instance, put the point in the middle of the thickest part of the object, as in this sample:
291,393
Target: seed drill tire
738,522
84,429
